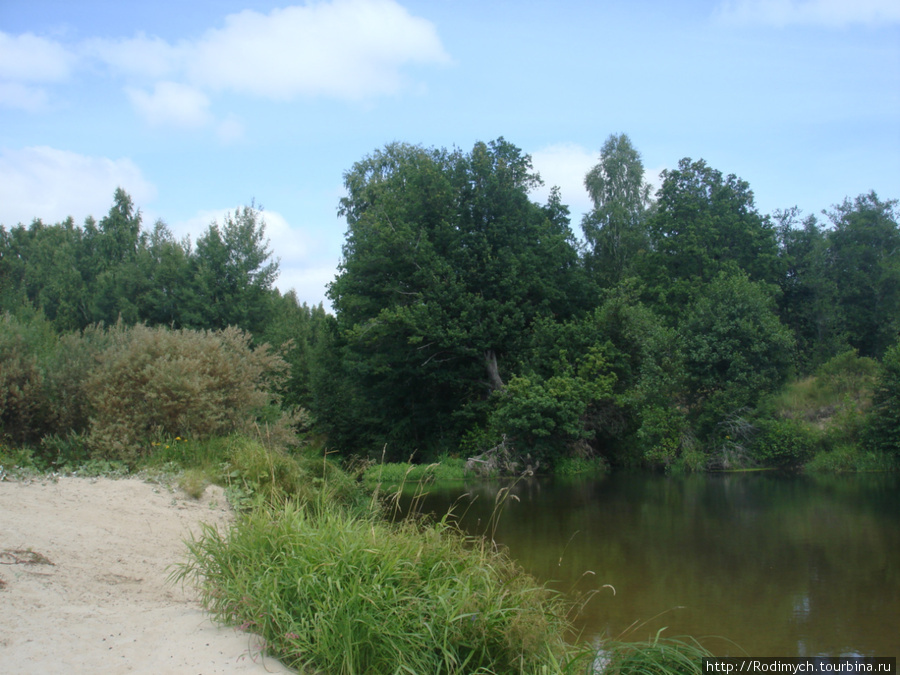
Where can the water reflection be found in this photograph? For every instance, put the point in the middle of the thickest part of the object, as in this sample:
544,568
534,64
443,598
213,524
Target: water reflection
775,565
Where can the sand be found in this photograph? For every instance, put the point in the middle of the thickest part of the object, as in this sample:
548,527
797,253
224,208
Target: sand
83,582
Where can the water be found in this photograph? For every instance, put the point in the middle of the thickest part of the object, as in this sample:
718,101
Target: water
757,564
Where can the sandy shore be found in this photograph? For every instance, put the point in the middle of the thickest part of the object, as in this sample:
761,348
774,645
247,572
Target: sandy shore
83,589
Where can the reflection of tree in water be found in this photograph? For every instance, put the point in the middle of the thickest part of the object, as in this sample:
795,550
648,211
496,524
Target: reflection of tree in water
775,563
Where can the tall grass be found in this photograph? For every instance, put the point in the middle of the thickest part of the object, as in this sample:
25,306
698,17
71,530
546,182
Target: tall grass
334,593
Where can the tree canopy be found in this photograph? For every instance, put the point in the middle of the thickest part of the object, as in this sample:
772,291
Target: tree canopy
468,317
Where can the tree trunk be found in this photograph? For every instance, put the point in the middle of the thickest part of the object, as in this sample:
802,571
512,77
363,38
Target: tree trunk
493,372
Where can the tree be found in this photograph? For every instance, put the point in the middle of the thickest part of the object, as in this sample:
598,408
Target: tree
615,228
735,349
705,224
808,300
446,265
864,251
232,272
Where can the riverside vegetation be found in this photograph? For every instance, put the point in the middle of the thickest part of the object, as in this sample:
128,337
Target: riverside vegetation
470,322
471,328
320,567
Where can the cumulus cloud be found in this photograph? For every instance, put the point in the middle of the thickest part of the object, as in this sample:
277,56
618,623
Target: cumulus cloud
140,56
171,103
565,165
20,96
344,49
27,64
347,49
29,58
51,184
833,13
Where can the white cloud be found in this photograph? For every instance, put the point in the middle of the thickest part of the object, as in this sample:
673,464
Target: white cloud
27,62
140,56
51,184
344,49
832,13
29,58
347,49
172,103
565,165
22,96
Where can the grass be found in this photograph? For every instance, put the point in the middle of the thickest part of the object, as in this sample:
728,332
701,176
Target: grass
850,459
336,593
333,586
392,473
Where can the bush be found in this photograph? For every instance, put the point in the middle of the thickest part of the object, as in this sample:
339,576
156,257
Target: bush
883,425
783,443
156,383
25,343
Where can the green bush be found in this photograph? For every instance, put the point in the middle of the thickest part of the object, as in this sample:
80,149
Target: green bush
546,417
883,424
155,383
783,443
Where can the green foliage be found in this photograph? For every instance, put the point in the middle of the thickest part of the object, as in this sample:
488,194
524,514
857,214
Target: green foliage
112,270
615,229
705,224
582,467
659,656
341,594
232,276
155,383
865,267
544,417
783,443
664,434
736,350
25,344
883,429
446,265
851,458
808,301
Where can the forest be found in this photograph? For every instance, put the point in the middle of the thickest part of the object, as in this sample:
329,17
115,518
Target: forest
684,330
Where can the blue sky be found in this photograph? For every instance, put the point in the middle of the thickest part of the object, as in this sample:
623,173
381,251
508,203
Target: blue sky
197,108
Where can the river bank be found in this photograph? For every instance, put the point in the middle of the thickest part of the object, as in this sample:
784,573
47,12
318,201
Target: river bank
84,575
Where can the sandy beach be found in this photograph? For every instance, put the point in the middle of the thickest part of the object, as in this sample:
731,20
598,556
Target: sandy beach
83,582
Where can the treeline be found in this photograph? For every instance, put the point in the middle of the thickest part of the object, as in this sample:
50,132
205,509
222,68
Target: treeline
468,318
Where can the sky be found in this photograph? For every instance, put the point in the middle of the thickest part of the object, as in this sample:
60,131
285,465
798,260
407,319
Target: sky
198,108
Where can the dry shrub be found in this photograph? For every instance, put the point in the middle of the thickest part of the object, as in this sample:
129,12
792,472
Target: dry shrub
158,383
24,343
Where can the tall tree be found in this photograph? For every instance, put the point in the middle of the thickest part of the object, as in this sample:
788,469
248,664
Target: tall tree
735,348
864,249
233,272
808,300
615,227
446,264
705,223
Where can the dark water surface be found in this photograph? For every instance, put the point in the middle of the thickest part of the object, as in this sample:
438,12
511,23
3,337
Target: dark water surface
781,565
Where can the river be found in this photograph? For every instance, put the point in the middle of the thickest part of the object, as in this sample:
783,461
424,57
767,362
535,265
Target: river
757,564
